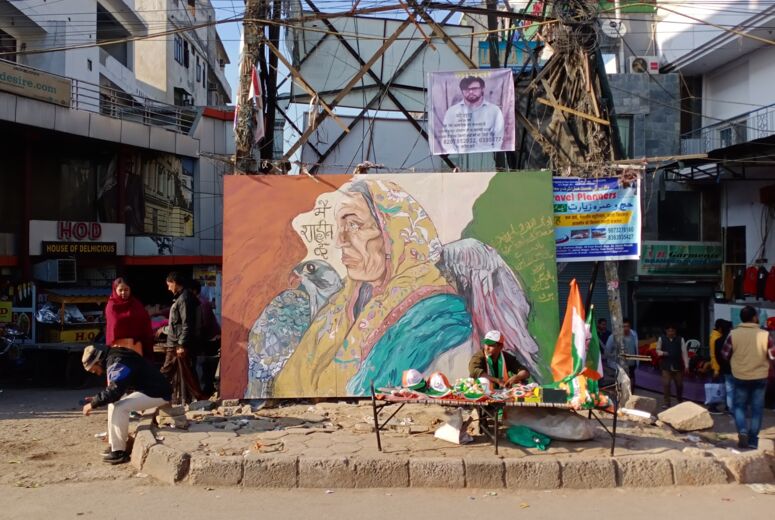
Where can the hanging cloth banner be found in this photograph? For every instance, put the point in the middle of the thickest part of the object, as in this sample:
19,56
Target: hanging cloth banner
471,111
596,219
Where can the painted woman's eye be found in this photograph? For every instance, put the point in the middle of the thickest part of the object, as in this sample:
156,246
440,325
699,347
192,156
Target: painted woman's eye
353,226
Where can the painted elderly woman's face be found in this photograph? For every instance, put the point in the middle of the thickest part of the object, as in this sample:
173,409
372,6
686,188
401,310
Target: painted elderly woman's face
360,239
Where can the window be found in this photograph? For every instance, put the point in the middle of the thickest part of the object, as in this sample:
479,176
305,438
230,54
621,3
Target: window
110,30
678,215
735,133
198,70
185,54
7,44
179,49
624,124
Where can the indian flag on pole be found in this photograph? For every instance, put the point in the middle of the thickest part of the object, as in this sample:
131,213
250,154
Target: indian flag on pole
593,365
570,349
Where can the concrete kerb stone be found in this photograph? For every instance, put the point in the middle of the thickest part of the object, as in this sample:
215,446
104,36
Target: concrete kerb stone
270,471
749,468
215,471
144,439
484,473
166,464
698,471
644,472
437,472
529,474
380,472
325,472
588,473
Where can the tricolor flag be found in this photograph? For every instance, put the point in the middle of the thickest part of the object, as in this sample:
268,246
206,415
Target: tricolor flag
570,350
593,365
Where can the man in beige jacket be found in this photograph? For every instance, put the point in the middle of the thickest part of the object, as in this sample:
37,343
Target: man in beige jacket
750,350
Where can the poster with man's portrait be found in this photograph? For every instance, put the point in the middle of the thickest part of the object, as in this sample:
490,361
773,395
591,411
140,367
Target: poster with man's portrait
471,111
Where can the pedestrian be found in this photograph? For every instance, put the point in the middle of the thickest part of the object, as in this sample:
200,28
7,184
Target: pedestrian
674,362
715,334
750,351
629,347
182,341
210,335
725,371
602,330
127,323
133,384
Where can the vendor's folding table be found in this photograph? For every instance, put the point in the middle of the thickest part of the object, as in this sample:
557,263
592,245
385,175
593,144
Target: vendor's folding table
489,412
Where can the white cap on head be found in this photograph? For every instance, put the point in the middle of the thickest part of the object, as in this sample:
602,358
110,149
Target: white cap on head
494,336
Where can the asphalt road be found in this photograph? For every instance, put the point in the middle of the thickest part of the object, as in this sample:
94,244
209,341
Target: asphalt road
143,498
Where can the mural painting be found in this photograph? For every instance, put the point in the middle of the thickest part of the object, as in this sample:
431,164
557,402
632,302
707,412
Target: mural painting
334,282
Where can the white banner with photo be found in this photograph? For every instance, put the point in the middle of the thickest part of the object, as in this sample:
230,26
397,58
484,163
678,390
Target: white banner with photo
471,111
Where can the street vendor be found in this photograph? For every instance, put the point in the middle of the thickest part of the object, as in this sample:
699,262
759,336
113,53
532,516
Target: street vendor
492,363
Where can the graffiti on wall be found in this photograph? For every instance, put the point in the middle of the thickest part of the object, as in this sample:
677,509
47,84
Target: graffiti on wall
332,284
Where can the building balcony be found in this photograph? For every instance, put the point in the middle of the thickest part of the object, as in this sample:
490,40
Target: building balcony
746,127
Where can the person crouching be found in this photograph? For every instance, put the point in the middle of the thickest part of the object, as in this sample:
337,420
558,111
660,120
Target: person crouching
133,384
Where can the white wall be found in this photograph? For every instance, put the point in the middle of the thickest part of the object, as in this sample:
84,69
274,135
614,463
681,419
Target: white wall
678,35
741,207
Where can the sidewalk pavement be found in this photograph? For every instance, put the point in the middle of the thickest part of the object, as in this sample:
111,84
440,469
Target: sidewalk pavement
332,445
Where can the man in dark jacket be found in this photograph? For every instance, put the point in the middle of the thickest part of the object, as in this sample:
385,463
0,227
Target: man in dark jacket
133,385
182,340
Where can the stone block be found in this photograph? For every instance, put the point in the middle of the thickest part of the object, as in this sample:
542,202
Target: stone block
437,473
197,415
230,402
325,472
484,473
698,471
644,472
642,403
215,471
528,474
270,471
749,468
166,464
687,417
228,411
767,445
171,411
144,439
380,472
178,421
203,405
588,473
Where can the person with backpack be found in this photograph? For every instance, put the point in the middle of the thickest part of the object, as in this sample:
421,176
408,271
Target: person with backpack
182,341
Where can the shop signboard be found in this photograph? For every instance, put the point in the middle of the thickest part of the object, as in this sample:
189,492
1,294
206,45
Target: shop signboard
596,219
5,312
36,84
661,258
74,238
78,248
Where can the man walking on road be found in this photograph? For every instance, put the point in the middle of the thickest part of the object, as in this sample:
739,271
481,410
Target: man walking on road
133,385
750,350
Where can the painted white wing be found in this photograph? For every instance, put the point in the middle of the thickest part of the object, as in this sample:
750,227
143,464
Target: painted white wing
494,297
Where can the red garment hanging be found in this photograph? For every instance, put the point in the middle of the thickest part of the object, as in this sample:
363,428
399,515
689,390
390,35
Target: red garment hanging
749,283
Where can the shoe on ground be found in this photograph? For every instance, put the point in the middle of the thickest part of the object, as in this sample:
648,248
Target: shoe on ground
106,453
117,457
742,441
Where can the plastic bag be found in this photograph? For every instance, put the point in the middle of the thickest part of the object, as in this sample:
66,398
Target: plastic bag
524,436
714,393
561,425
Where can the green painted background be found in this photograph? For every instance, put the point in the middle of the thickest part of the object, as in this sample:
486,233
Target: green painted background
514,215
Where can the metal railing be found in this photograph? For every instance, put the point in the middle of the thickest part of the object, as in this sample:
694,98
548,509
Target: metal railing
120,105
745,127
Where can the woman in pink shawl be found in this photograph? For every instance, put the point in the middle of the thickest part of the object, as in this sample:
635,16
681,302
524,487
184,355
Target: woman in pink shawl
127,321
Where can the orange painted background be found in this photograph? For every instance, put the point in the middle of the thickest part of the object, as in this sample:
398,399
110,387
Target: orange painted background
260,248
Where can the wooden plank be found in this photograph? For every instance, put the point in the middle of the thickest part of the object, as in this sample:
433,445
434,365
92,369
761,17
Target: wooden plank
563,108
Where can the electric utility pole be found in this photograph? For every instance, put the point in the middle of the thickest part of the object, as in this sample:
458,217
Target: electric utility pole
251,50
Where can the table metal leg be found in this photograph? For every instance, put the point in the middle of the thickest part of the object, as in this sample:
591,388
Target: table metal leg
495,433
376,419
613,434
